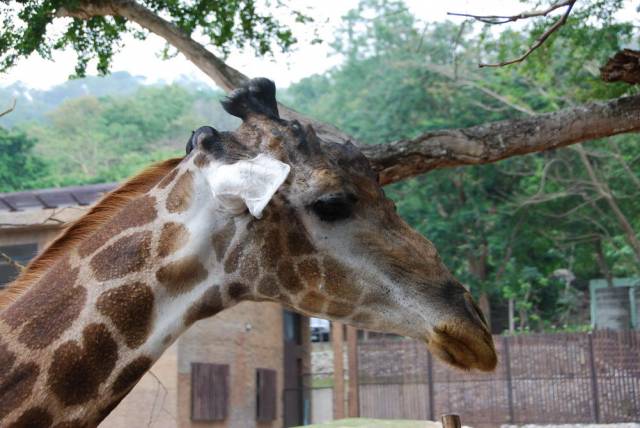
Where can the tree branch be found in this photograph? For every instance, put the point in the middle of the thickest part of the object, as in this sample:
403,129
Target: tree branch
225,76
504,19
472,81
406,158
12,262
10,109
498,20
492,142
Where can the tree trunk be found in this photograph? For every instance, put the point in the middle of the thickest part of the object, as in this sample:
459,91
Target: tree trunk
603,189
478,269
602,263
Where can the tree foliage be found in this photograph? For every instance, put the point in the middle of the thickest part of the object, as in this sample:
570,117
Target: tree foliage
230,24
508,229
513,231
20,167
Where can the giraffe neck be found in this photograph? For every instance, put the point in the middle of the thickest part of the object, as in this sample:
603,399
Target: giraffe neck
82,335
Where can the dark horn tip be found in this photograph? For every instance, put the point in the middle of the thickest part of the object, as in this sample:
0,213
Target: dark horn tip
207,138
257,96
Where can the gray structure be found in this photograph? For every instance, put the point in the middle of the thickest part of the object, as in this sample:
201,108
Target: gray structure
617,307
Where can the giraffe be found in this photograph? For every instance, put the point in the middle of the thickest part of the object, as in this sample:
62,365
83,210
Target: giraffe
268,212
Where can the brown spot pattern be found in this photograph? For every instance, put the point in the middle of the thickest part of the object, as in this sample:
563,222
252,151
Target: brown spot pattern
168,178
124,256
209,305
222,238
309,271
271,249
201,160
182,275
173,237
77,371
231,264
250,268
106,410
16,387
73,423
288,277
35,417
339,309
130,308
138,212
7,358
338,281
313,302
268,286
167,339
238,290
362,318
181,196
298,243
48,308
131,374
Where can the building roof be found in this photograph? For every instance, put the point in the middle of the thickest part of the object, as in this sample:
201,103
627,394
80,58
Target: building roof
54,198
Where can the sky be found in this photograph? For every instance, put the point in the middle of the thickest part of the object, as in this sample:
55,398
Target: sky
141,58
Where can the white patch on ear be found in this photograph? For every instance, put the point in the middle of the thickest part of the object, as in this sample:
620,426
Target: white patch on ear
248,183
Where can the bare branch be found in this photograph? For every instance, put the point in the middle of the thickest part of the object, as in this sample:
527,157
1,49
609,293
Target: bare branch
12,262
474,83
495,141
504,19
10,109
498,20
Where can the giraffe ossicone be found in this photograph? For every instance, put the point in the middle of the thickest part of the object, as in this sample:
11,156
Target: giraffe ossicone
268,212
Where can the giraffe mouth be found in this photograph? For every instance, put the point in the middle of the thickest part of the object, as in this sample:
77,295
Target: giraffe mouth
464,346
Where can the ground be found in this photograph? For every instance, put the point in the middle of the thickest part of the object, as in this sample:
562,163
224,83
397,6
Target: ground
375,423
379,423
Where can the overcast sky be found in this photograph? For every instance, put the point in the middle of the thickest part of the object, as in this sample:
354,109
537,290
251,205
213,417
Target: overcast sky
141,57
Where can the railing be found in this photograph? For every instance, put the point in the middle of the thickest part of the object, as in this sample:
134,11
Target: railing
542,378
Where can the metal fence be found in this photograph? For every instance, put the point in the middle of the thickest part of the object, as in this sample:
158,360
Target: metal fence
542,378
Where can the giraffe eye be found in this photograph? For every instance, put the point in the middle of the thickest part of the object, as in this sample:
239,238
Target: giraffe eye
334,207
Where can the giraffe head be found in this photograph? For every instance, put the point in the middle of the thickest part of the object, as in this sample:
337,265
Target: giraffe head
313,230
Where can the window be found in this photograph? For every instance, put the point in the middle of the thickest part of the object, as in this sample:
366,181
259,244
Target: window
209,391
21,254
266,395
292,331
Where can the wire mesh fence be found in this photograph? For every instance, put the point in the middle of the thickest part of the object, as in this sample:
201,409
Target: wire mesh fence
542,378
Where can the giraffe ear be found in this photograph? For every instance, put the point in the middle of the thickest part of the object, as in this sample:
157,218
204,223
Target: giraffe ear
247,184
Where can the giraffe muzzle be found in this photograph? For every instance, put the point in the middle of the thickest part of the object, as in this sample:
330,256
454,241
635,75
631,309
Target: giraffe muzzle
465,341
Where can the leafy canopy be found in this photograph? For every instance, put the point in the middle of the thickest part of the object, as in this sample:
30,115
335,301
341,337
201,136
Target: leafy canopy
20,167
26,27
505,229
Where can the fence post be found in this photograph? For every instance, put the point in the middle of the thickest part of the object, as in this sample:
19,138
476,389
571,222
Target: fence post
594,381
507,363
352,352
432,413
451,421
338,370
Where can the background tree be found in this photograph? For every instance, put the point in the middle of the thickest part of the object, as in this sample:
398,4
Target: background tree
96,28
20,167
514,230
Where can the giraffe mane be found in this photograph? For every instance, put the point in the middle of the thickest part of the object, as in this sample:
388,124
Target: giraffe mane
80,229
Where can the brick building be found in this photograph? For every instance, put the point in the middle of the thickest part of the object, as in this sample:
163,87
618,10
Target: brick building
242,368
